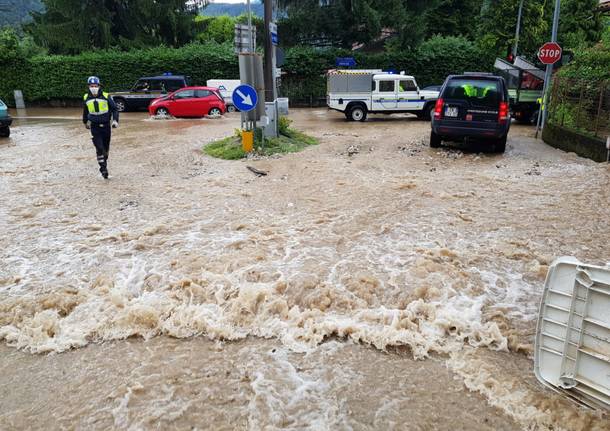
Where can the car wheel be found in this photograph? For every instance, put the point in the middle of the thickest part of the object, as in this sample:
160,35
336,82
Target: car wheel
215,112
427,113
120,105
162,112
5,132
358,113
500,145
533,120
435,140
231,109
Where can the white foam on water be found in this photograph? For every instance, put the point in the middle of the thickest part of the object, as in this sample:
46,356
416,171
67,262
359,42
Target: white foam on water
300,293
288,398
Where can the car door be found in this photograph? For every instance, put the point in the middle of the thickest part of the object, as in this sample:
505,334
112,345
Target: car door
141,94
408,96
201,105
182,103
156,90
384,96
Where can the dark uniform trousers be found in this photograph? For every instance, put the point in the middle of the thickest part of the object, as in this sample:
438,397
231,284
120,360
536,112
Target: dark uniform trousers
101,139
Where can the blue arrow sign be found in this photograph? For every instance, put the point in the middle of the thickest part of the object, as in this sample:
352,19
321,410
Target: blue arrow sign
245,98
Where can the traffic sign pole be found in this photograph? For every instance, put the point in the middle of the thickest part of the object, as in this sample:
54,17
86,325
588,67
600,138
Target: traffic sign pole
549,74
245,98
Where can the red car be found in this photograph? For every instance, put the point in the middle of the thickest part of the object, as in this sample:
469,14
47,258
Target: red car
189,102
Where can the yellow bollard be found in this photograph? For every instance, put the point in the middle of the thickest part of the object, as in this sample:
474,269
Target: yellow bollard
247,141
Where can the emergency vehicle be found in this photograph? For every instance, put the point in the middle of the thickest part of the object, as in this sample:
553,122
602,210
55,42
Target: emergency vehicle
358,93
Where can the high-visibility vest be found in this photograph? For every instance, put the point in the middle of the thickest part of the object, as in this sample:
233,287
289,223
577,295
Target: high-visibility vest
97,105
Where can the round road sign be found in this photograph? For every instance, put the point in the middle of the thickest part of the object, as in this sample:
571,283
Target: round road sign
550,53
245,98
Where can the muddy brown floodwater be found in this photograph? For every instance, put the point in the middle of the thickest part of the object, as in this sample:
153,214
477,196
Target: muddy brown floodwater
366,283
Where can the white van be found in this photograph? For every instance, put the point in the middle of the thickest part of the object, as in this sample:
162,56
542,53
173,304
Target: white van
226,87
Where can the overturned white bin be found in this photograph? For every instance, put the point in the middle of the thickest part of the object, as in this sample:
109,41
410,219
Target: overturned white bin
572,353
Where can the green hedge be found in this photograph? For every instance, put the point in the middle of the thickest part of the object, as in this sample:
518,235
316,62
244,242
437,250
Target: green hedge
63,77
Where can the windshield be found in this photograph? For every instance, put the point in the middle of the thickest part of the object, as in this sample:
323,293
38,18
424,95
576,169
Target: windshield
475,91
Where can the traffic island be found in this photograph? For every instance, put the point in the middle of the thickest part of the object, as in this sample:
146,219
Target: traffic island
288,141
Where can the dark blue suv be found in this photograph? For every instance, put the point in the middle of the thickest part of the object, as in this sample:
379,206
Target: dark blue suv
472,107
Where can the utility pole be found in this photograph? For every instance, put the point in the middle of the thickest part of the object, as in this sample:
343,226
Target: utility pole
250,27
518,31
549,72
269,84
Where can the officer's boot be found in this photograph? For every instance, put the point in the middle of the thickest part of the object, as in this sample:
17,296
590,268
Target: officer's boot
103,167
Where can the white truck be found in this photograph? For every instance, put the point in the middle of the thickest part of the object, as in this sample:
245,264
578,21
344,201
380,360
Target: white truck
358,93
226,87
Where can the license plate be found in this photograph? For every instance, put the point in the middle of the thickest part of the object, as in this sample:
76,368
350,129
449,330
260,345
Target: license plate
451,112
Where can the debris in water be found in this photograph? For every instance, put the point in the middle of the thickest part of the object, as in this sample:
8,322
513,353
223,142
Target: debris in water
124,204
353,149
535,170
257,172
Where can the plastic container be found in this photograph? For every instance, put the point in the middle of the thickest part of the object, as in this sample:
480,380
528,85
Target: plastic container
572,352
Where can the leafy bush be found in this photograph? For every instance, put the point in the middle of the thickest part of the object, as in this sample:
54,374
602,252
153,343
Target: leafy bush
284,125
591,64
64,77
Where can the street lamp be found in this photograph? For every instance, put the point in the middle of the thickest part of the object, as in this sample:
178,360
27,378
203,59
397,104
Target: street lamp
518,31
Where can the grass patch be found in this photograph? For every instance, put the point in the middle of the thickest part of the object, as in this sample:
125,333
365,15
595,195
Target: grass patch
289,141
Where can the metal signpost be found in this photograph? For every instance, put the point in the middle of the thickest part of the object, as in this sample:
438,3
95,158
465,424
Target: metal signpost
549,69
245,99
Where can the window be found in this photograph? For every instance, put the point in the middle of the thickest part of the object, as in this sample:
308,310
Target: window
386,86
407,85
156,85
476,91
203,93
186,94
141,85
173,84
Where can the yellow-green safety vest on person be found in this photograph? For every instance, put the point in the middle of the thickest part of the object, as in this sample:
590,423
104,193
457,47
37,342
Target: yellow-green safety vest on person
99,109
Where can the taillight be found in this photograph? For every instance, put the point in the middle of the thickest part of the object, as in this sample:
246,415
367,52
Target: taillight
438,109
503,112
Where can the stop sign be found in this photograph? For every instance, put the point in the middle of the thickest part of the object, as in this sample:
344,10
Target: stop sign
549,53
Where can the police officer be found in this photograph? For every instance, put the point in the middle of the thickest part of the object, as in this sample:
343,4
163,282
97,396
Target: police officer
98,112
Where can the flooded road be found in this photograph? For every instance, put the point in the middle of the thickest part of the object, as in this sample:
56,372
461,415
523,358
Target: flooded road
366,283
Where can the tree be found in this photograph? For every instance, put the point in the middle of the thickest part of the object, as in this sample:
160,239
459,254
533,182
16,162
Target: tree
14,46
16,12
9,45
454,18
498,21
72,26
580,25
348,23
220,29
